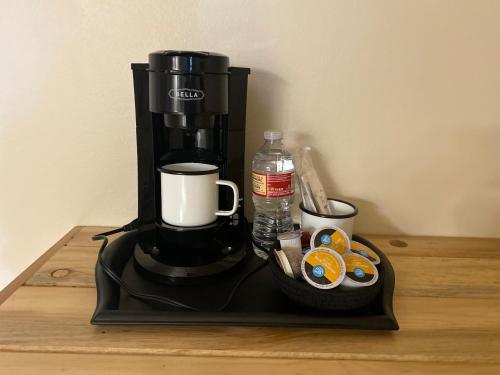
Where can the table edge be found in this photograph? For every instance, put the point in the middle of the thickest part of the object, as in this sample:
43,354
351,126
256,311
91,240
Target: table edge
6,292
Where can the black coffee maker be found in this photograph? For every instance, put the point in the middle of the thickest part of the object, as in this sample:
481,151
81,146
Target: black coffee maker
190,107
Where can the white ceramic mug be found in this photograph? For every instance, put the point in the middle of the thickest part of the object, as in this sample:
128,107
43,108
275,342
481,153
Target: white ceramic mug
343,217
190,194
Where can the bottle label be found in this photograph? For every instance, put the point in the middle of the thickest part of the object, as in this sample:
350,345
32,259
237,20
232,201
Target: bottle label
272,185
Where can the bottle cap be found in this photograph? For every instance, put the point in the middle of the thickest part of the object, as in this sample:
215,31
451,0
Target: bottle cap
272,135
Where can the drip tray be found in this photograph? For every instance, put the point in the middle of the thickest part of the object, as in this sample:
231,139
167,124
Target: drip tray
257,302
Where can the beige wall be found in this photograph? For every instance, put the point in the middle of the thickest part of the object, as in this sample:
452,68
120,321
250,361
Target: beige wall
400,100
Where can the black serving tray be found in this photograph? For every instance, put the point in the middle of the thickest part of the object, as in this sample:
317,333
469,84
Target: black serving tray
258,301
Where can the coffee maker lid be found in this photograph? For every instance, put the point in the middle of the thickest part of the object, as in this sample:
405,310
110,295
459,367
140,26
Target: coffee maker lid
188,62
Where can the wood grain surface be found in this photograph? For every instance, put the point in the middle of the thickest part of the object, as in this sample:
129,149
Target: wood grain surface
447,303
78,364
73,266
26,274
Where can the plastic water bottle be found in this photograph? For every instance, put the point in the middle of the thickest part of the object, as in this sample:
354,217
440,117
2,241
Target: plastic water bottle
273,189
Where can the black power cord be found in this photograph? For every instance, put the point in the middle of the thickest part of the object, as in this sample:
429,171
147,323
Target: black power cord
152,297
134,224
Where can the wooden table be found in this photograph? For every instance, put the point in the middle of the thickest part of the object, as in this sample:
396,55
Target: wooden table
447,303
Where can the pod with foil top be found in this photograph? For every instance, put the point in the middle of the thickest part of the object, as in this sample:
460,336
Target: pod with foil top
365,251
289,262
360,272
332,238
323,268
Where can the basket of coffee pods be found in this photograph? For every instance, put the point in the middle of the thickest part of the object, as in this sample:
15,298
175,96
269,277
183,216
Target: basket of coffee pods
323,265
325,269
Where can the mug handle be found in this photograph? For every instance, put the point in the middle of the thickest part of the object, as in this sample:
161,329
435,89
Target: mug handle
233,186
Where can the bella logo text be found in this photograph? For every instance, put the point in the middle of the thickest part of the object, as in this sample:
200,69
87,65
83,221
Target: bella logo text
186,94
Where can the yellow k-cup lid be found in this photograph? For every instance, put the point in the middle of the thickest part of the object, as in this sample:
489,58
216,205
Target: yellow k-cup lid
331,238
323,268
365,251
359,271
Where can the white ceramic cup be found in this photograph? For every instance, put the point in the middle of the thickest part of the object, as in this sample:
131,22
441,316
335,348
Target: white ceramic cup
190,194
343,217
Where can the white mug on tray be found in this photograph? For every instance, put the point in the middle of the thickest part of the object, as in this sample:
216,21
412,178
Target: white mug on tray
343,217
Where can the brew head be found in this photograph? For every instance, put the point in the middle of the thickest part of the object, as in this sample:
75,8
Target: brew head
189,88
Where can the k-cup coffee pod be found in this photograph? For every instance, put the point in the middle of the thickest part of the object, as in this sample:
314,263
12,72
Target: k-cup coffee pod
331,237
305,250
323,268
289,261
305,239
365,251
360,271
283,262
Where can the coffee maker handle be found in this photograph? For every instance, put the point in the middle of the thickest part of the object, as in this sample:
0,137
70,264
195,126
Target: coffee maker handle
236,199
